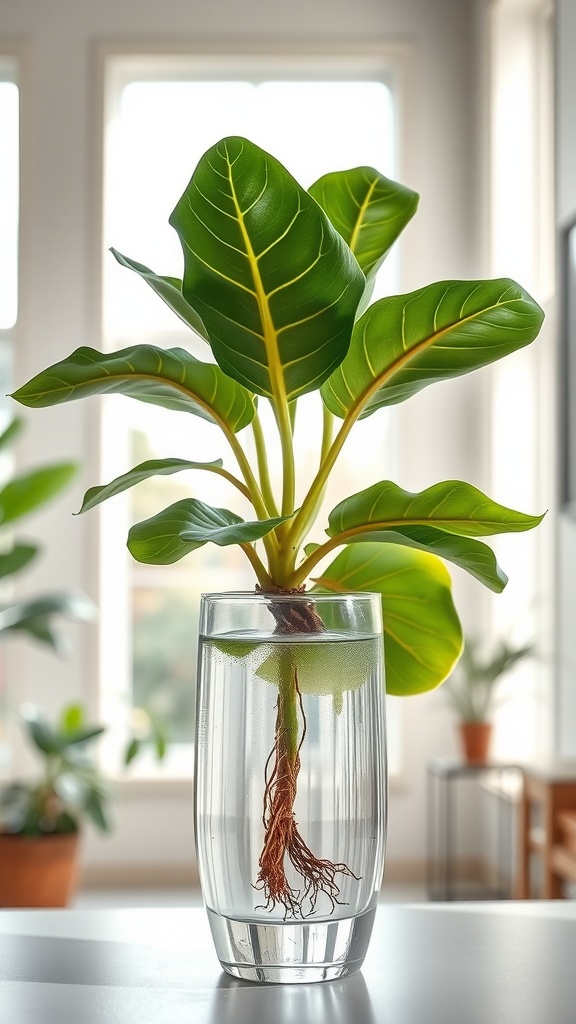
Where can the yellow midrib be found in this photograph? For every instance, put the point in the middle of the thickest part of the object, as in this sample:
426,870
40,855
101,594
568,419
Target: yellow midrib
358,225
269,331
408,354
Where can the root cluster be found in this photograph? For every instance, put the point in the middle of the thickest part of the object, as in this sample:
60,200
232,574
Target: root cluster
282,838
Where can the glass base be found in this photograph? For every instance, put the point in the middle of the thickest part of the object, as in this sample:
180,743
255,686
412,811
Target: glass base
288,953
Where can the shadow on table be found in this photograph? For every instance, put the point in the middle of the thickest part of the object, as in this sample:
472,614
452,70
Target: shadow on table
331,1002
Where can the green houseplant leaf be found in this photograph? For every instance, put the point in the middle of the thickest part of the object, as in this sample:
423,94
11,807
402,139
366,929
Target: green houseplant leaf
25,493
152,467
451,506
19,496
169,289
444,520
273,282
35,616
187,525
40,730
12,431
171,378
367,209
403,343
17,558
467,553
422,633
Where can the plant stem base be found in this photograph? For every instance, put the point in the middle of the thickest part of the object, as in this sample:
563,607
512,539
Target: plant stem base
291,953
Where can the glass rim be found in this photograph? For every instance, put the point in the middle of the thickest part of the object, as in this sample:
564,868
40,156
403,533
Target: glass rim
306,596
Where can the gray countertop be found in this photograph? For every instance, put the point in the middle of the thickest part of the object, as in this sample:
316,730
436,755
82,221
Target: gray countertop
484,963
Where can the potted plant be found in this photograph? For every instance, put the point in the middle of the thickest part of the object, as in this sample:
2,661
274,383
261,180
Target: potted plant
42,819
471,691
290,808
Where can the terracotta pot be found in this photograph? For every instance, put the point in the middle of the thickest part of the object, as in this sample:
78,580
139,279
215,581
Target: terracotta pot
475,737
38,871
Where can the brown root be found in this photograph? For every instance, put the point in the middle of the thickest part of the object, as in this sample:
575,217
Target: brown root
293,618
282,838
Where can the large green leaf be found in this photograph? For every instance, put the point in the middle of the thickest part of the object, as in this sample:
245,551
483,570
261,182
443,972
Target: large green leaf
405,342
169,289
274,284
187,525
168,377
152,467
422,632
443,520
367,209
452,506
25,493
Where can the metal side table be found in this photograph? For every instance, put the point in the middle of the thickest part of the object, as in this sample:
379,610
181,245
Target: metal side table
443,775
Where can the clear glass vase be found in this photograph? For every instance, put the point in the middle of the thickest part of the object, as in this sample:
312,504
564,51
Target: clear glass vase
290,781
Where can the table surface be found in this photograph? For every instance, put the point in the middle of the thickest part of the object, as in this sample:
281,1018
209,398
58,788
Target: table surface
485,963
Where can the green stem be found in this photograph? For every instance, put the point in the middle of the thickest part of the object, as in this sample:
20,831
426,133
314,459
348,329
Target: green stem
288,705
284,422
304,569
261,455
263,577
270,540
327,429
310,505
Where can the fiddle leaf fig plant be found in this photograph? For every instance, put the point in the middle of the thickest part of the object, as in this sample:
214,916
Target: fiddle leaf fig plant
277,282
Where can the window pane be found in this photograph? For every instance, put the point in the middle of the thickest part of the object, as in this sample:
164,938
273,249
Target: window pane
8,203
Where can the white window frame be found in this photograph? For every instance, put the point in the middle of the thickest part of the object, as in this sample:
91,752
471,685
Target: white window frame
522,245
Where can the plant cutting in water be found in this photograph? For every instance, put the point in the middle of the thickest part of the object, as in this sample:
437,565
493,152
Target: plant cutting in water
277,281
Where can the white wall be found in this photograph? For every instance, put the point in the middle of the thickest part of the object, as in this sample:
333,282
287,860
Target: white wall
444,432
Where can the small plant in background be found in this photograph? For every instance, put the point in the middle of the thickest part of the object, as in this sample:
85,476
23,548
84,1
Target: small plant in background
70,788
471,689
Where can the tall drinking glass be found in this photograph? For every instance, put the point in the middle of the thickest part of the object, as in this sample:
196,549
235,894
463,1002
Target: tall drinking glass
290,781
